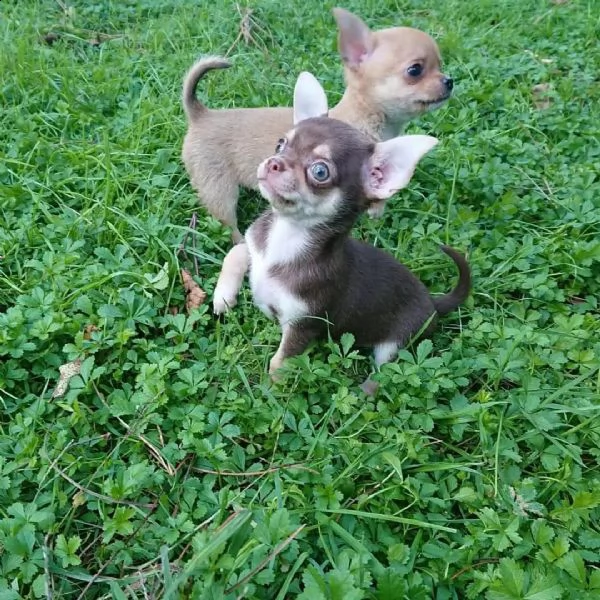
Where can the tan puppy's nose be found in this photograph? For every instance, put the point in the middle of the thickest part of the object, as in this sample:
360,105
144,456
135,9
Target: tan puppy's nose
275,164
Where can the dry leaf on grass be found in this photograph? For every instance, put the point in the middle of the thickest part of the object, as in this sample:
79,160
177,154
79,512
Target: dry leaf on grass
78,499
546,61
51,37
541,88
540,98
67,371
195,295
524,507
89,329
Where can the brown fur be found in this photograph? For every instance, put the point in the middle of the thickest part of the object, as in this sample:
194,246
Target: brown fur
222,148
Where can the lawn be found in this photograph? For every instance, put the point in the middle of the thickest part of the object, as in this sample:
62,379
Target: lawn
170,467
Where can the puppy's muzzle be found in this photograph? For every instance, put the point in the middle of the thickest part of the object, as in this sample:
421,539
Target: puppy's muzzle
448,83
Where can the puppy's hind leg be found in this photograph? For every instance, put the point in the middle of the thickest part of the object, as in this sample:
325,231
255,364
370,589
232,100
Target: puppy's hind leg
220,197
294,340
383,353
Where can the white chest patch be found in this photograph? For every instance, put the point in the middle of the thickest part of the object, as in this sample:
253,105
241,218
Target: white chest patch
285,242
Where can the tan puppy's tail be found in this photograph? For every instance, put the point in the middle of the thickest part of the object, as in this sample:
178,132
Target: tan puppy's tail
448,302
193,107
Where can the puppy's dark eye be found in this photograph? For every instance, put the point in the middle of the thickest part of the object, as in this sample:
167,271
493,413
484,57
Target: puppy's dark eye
319,171
415,70
280,146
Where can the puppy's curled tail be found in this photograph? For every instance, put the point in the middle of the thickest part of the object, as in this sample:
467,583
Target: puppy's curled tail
448,302
193,107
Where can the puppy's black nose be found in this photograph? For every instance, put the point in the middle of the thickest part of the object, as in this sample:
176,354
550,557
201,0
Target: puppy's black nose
448,82
275,164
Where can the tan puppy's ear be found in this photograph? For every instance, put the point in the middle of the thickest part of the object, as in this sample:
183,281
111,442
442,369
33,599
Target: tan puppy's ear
393,163
310,99
355,41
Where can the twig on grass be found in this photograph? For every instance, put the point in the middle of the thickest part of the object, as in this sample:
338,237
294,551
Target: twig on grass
277,550
103,566
102,496
181,249
247,24
162,461
48,581
485,561
297,466
63,6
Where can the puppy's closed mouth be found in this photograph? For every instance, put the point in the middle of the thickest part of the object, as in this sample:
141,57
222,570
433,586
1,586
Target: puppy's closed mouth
266,188
285,201
434,101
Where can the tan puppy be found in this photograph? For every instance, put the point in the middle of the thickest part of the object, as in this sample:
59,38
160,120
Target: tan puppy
392,76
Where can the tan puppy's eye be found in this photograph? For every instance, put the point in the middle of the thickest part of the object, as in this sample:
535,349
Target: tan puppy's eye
415,70
319,172
280,146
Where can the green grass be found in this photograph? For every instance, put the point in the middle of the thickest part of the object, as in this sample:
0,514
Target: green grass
171,468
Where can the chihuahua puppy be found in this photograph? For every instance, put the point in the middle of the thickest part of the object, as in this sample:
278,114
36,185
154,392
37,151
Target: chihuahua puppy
392,76
305,271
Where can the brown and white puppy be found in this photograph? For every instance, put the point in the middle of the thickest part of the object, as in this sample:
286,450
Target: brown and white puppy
305,271
392,76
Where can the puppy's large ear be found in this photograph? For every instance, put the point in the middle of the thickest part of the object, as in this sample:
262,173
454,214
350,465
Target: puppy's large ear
355,41
392,164
309,98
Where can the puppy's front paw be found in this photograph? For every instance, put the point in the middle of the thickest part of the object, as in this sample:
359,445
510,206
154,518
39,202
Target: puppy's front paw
224,300
274,366
376,209
230,279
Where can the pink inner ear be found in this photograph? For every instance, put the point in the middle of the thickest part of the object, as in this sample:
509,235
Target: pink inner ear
355,53
375,178
355,40
375,183
380,181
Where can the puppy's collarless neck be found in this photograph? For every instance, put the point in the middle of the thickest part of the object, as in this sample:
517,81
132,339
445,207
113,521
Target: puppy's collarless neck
352,109
313,233
364,116
392,127
285,240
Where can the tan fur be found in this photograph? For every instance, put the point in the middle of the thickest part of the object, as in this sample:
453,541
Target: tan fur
222,148
380,99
